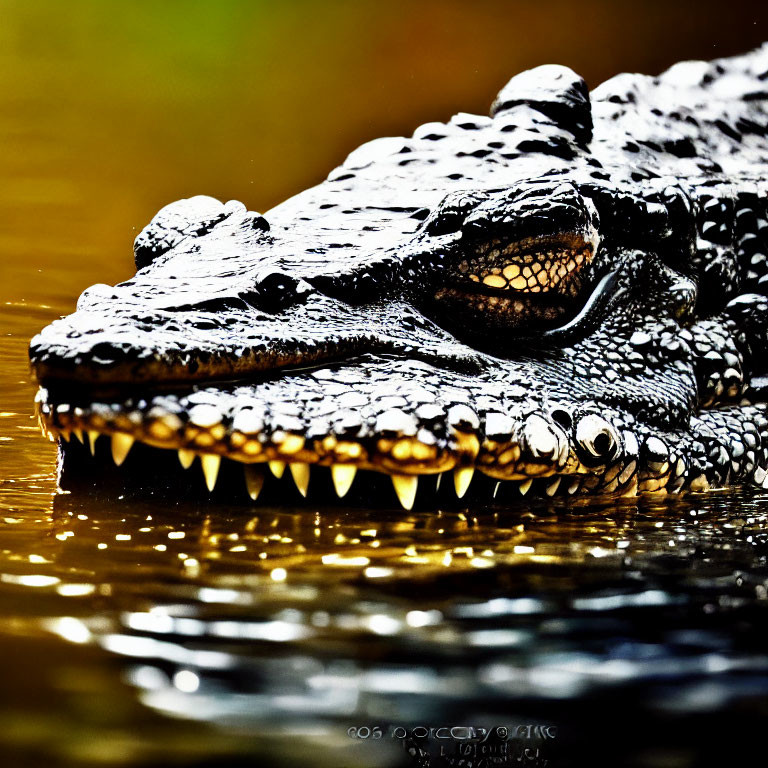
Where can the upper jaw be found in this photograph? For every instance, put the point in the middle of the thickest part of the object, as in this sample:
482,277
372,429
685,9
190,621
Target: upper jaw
156,347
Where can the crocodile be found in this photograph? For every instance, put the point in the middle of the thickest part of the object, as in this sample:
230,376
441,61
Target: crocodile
566,297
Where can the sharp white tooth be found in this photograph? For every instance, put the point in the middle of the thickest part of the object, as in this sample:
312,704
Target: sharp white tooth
552,487
343,475
121,444
525,486
277,468
210,463
92,435
438,481
254,480
574,486
78,433
186,458
462,477
496,489
405,488
300,472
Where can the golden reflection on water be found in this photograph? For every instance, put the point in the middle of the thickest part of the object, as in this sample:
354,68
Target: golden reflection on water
134,633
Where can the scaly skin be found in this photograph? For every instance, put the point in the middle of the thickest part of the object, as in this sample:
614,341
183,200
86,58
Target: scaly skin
569,295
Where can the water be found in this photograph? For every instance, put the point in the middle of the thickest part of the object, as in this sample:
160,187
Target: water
130,631
138,634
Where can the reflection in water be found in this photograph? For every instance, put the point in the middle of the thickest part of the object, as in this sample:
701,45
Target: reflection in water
282,628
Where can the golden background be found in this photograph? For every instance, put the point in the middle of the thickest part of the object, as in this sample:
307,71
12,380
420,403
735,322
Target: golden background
109,110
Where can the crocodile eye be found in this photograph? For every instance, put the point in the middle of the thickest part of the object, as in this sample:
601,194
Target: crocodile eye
523,263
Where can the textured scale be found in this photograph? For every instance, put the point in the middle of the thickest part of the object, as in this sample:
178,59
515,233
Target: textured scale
572,287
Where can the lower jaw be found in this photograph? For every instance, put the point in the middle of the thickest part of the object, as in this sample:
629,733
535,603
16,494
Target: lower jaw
88,467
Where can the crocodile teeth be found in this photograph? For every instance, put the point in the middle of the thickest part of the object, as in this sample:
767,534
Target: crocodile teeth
92,435
121,444
211,463
343,475
525,486
574,486
277,468
405,488
438,481
254,480
496,488
78,433
462,477
186,458
553,486
300,472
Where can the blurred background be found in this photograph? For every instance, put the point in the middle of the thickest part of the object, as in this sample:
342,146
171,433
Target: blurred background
141,635
109,110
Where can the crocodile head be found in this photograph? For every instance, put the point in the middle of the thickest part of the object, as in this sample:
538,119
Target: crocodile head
565,297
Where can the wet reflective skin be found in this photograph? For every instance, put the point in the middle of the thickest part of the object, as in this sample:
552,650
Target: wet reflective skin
144,633
603,254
